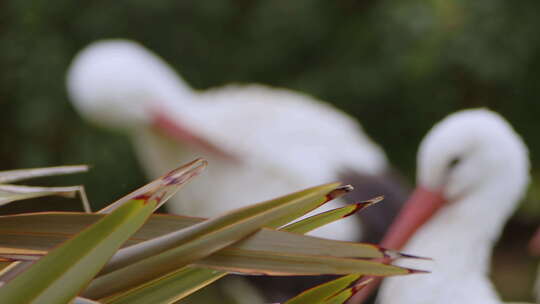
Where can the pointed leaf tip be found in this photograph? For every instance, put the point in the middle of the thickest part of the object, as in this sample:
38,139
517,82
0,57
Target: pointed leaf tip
161,189
374,200
364,204
339,192
415,271
392,254
184,173
171,182
361,284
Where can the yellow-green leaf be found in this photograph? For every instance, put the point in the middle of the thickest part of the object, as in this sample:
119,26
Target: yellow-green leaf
269,263
77,260
80,258
341,297
324,218
347,293
169,288
134,267
319,294
183,282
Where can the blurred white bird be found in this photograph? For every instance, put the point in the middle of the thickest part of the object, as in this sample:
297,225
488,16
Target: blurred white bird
472,170
260,142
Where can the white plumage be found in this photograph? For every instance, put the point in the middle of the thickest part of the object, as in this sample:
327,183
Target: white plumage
261,142
480,166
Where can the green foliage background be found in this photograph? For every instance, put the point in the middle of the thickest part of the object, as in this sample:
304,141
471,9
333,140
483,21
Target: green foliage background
397,66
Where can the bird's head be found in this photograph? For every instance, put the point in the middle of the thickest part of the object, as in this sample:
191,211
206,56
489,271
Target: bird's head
118,84
472,151
473,162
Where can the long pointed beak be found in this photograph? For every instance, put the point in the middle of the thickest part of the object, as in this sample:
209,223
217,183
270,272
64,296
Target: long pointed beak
534,244
177,131
420,207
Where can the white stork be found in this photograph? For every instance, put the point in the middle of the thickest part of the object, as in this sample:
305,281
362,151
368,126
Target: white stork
261,142
472,170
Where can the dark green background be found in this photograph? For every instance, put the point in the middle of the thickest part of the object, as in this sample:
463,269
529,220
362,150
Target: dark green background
399,66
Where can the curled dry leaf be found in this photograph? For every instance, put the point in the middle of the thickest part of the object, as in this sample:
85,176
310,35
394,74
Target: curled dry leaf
10,193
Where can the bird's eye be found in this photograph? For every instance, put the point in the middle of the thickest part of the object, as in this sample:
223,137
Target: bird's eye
453,163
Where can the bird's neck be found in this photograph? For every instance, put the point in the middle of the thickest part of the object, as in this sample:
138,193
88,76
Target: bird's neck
466,229
454,246
460,239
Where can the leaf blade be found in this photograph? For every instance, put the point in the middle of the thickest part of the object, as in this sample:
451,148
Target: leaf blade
169,288
321,292
160,289
22,174
78,259
269,263
206,238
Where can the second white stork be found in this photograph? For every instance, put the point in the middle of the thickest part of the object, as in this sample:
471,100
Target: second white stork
472,170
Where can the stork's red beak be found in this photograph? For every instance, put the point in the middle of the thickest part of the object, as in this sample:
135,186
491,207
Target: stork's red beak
177,131
417,210
534,244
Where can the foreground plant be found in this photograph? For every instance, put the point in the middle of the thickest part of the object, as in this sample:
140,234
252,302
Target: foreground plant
165,257
10,193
